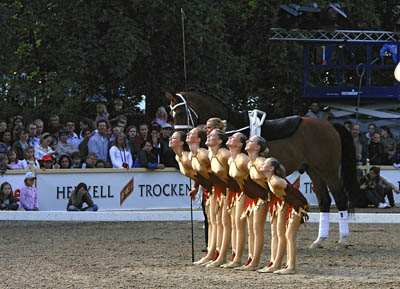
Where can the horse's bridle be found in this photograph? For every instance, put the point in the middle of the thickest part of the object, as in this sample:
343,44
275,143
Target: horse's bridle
189,111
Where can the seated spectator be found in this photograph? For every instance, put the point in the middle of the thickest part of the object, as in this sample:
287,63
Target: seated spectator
28,195
63,147
91,160
29,162
161,116
79,196
65,162
13,162
7,200
389,145
100,164
120,155
47,162
147,158
83,146
20,145
44,147
376,188
32,130
376,153
3,163
76,160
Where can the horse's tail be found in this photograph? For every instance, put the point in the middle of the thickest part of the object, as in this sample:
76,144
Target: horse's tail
349,171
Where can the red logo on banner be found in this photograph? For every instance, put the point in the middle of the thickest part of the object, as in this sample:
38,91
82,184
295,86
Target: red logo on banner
125,192
296,183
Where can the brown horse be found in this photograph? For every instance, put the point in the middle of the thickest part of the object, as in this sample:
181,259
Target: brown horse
325,151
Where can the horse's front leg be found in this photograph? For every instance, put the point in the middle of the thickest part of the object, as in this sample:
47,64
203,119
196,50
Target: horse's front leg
324,202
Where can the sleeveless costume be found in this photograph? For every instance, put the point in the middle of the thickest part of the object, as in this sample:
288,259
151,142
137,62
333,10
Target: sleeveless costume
219,178
235,183
257,194
204,181
285,193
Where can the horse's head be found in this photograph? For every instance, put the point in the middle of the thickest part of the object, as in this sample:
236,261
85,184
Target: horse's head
183,114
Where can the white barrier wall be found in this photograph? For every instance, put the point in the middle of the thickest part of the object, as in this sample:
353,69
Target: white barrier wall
135,189
116,189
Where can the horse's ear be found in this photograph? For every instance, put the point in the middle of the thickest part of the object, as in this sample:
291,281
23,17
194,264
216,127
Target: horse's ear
171,98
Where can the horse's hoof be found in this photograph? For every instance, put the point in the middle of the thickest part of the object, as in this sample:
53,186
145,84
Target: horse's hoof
316,245
342,244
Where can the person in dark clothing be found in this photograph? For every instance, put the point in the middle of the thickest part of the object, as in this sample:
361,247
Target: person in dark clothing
79,196
147,158
7,200
376,151
374,188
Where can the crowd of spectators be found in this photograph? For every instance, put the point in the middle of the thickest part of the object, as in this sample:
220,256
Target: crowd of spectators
107,141
376,146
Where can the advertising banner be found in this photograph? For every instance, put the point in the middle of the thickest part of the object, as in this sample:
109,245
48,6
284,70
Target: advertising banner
117,191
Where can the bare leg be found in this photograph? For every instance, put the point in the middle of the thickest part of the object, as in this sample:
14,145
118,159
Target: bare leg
291,233
234,226
259,218
274,245
250,237
213,233
281,230
240,233
241,230
226,234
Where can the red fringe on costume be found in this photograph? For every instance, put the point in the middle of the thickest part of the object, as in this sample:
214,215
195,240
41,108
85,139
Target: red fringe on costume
206,195
250,204
219,193
232,199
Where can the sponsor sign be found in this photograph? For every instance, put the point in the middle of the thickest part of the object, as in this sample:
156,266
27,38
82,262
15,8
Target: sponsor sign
117,190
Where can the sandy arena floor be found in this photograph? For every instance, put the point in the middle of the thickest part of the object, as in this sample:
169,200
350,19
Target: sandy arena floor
158,255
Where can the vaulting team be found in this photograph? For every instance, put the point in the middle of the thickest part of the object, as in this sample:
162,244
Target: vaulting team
240,187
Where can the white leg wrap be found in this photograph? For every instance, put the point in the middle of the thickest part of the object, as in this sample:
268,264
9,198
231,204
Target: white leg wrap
323,225
343,223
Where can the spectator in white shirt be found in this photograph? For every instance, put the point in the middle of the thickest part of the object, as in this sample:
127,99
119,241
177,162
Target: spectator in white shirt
119,152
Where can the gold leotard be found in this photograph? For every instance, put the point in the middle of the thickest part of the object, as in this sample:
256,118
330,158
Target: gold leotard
185,165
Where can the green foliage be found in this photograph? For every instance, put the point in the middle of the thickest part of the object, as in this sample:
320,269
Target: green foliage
56,55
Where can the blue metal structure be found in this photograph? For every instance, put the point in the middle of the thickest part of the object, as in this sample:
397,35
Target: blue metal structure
350,70
347,65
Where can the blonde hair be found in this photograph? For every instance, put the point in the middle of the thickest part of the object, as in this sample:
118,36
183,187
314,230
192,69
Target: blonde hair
103,106
218,123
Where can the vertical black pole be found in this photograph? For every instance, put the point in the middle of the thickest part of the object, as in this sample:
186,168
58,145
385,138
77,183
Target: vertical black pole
191,219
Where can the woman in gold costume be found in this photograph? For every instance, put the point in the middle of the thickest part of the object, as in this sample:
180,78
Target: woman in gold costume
238,170
257,190
287,212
